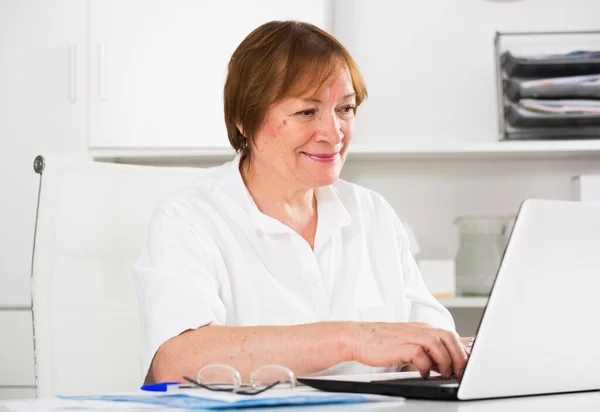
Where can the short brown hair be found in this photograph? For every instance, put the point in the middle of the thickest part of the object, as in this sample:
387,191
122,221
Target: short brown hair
279,59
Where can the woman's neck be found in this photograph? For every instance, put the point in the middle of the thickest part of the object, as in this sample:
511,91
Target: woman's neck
276,197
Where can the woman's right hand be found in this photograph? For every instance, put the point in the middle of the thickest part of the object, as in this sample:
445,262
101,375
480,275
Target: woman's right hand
417,344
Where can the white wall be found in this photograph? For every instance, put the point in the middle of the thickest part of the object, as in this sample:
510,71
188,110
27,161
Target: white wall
429,64
430,194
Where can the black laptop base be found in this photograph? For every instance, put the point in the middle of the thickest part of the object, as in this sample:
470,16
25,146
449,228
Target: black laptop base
409,388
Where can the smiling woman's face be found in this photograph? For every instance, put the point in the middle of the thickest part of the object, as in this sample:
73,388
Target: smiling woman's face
304,140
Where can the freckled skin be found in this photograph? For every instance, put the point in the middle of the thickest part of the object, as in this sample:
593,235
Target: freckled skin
301,146
322,122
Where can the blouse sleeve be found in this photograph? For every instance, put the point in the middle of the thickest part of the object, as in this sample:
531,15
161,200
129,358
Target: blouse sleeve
175,281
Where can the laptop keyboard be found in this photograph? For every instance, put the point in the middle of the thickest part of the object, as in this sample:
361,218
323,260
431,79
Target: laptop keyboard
431,381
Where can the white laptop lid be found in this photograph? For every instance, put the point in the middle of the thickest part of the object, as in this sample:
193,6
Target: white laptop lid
540,332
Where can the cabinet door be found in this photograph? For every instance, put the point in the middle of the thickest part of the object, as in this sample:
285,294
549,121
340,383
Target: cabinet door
16,349
42,111
17,393
158,66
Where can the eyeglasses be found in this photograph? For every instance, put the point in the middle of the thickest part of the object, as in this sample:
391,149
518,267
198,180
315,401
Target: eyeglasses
225,378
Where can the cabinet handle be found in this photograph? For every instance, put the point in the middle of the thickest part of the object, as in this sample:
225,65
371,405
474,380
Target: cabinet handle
72,82
102,71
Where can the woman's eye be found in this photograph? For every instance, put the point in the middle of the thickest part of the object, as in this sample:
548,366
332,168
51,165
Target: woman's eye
306,113
347,110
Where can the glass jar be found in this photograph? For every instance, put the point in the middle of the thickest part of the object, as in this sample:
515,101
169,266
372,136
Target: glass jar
482,244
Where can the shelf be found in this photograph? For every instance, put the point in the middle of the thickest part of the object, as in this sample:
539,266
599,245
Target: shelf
462,150
500,149
464,302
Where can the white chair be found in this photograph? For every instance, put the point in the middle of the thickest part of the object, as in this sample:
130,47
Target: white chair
92,222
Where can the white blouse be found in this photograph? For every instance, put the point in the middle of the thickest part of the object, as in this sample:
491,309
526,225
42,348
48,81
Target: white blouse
213,257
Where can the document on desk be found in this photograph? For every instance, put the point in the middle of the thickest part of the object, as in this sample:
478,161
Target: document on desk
561,106
201,399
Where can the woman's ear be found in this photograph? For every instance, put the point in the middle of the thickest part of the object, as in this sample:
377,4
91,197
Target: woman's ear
240,128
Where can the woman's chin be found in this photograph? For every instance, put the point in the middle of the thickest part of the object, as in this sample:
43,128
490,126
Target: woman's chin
320,174
324,179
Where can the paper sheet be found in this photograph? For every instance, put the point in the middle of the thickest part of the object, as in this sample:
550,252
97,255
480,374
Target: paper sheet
202,399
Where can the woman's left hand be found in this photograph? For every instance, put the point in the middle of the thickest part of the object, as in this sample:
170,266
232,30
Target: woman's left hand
465,342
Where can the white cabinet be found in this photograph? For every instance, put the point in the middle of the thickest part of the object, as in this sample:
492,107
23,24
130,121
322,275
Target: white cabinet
43,102
158,66
16,349
17,393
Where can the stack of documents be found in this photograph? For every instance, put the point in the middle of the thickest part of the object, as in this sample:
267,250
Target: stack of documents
561,107
202,399
555,95
591,80
572,87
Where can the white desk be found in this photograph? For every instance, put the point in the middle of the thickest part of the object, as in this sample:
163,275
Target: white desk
581,402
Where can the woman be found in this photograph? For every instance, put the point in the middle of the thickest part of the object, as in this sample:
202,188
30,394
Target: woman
271,258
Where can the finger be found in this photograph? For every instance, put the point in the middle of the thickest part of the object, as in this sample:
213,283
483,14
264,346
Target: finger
456,350
437,351
411,368
465,342
420,360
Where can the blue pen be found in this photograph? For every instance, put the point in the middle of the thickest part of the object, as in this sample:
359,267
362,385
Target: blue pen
160,387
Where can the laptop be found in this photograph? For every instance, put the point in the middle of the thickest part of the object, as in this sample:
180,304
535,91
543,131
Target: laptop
540,330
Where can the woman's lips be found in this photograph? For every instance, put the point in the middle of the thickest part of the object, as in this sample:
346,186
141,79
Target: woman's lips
322,157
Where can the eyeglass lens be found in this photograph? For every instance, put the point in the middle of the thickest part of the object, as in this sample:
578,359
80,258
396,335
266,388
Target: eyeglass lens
225,378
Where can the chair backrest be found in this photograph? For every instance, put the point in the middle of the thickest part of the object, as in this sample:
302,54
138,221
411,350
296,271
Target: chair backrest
91,224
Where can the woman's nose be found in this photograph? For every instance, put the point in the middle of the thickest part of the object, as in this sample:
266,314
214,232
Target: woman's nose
330,129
